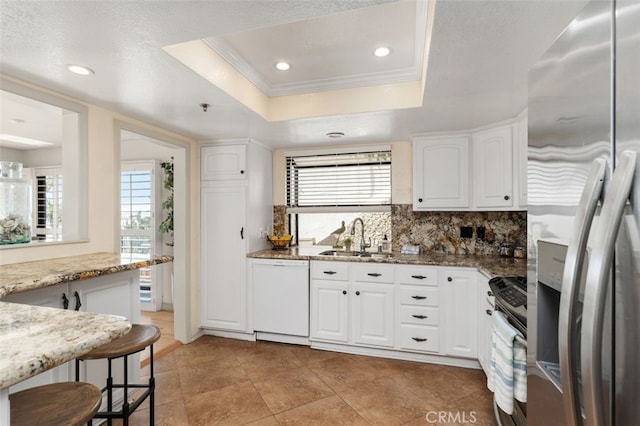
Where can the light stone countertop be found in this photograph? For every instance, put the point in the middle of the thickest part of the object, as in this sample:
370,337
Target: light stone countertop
35,339
490,265
25,276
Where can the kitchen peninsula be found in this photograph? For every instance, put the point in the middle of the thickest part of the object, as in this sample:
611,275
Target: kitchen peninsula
64,308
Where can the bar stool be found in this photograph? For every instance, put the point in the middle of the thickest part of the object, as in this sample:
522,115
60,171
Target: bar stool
64,403
140,336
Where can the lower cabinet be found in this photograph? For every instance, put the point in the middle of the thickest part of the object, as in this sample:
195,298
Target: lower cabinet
485,311
114,294
427,310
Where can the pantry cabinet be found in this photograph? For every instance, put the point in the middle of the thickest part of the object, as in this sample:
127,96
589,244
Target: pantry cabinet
441,173
236,211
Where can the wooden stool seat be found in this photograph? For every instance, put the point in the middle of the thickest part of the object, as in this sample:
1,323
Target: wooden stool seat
140,336
65,403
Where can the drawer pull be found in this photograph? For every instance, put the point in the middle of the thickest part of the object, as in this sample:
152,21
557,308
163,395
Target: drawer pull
357,293
420,316
419,339
329,272
344,291
418,277
419,297
374,274
489,312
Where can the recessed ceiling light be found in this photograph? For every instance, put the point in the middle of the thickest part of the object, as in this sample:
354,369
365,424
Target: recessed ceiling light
335,135
79,69
382,51
17,120
283,66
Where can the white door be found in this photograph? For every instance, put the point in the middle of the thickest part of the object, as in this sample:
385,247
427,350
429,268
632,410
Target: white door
460,305
329,310
372,314
493,167
223,261
441,173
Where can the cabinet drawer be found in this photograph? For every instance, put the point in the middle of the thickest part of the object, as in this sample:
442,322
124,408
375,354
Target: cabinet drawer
334,271
419,315
373,273
414,295
419,337
417,276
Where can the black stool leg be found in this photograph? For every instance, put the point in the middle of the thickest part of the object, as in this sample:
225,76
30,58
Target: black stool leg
109,391
125,405
152,388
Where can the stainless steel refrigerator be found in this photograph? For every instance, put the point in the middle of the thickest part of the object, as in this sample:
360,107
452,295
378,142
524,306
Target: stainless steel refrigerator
583,316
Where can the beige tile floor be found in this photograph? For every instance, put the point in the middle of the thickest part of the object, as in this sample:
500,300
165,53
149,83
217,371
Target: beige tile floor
224,381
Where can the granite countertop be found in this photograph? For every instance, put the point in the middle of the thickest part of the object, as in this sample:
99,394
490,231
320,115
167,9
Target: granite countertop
489,265
25,276
35,339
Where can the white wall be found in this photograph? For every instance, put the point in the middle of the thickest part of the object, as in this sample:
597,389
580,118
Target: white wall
11,154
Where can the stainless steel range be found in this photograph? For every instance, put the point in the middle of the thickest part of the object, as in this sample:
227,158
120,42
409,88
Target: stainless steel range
511,299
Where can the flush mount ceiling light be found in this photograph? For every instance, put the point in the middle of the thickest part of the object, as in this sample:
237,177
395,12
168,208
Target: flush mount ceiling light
335,135
283,66
382,51
79,69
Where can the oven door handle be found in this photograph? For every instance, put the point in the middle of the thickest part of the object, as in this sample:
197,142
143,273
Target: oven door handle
571,278
596,287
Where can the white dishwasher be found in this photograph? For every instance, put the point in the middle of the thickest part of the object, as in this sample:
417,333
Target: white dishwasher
280,298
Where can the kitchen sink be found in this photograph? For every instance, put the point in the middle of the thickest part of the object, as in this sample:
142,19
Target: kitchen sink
339,253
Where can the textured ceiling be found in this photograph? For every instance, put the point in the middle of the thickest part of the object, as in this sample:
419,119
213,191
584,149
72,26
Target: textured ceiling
480,54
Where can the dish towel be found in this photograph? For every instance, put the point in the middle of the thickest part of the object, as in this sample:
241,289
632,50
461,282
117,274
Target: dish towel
507,377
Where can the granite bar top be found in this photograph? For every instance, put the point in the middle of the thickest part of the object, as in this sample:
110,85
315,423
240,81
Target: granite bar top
490,265
34,339
25,276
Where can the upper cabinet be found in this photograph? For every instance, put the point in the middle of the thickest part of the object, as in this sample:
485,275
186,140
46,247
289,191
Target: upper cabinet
441,173
481,170
493,168
225,162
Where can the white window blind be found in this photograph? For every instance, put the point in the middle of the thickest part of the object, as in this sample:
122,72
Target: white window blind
48,211
339,181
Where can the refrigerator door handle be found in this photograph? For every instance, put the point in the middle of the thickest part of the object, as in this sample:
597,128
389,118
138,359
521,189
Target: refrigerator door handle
576,251
596,287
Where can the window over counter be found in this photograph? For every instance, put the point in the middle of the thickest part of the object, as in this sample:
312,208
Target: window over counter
48,201
326,191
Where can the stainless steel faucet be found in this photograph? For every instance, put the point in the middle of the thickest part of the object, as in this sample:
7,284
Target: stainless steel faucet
363,245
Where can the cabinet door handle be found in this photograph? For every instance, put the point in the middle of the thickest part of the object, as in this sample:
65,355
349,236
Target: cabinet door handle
241,172
374,274
344,291
418,277
449,279
419,297
489,312
329,272
419,339
78,303
420,316
357,293
242,233
419,200
490,293
65,301
506,197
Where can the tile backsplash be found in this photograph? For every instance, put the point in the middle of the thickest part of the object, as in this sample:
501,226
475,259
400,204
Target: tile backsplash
440,232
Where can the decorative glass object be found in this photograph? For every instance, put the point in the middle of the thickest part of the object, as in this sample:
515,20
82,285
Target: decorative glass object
15,205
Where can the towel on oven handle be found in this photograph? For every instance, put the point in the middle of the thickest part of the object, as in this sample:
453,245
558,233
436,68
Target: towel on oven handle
507,366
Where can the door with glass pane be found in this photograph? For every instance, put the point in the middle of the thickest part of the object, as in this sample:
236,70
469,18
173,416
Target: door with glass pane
138,238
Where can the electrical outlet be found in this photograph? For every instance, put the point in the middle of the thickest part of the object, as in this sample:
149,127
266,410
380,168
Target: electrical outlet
466,232
480,232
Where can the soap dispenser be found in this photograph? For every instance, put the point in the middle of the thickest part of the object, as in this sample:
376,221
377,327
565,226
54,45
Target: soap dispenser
385,243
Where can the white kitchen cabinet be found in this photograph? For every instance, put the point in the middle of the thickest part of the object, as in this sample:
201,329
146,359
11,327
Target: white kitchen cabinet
441,173
352,303
521,146
493,177
459,294
225,162
236,211
485,310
